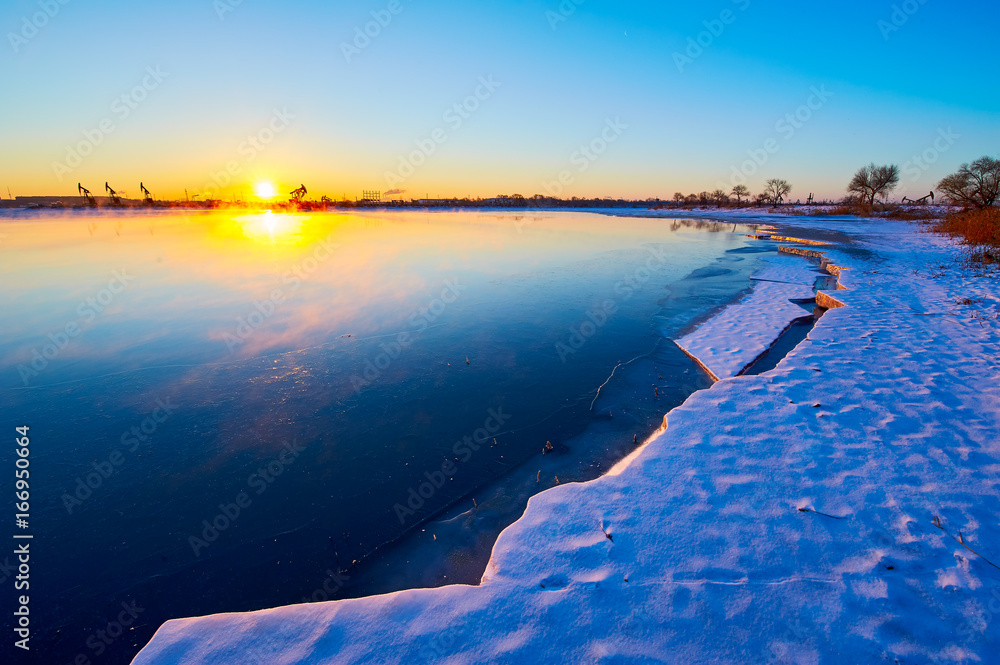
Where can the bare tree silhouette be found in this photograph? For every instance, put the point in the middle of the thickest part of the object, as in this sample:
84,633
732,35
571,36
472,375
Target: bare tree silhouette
871,182
975,185
775,190
739,191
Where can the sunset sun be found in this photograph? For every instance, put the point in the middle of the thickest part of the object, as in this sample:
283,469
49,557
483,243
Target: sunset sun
265,190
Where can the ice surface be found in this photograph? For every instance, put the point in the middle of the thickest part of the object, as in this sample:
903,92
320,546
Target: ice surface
782,518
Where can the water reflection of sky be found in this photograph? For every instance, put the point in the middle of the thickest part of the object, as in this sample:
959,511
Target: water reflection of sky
196,279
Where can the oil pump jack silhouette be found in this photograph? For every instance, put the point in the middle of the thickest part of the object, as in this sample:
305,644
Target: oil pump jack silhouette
147,198
115,199
298,194
920,201
88,199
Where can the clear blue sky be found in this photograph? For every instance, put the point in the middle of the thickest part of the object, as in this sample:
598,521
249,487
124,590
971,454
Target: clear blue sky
894,92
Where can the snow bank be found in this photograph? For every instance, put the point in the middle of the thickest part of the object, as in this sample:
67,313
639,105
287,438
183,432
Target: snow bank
730,341
782,518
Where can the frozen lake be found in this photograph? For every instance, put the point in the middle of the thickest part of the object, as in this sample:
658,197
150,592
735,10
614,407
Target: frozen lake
232,411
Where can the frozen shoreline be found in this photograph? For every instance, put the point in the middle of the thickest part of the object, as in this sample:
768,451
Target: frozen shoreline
738,335
786,517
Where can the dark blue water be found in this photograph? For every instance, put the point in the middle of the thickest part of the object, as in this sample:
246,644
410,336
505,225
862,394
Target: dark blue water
237,411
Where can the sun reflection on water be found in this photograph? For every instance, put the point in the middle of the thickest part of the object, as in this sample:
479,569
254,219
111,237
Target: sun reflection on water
273,228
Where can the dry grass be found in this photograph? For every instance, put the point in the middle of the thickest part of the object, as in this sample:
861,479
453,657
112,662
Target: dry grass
979,230
884,211
818,211
838,211
909,213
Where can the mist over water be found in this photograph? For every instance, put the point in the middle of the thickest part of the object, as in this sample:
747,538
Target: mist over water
232,411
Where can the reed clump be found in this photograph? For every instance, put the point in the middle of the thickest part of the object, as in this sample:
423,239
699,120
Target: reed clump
979,230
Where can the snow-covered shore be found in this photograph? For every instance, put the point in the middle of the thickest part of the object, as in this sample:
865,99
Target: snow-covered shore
811,514
740,333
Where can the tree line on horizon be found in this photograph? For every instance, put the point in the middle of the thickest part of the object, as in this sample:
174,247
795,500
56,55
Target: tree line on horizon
975,185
